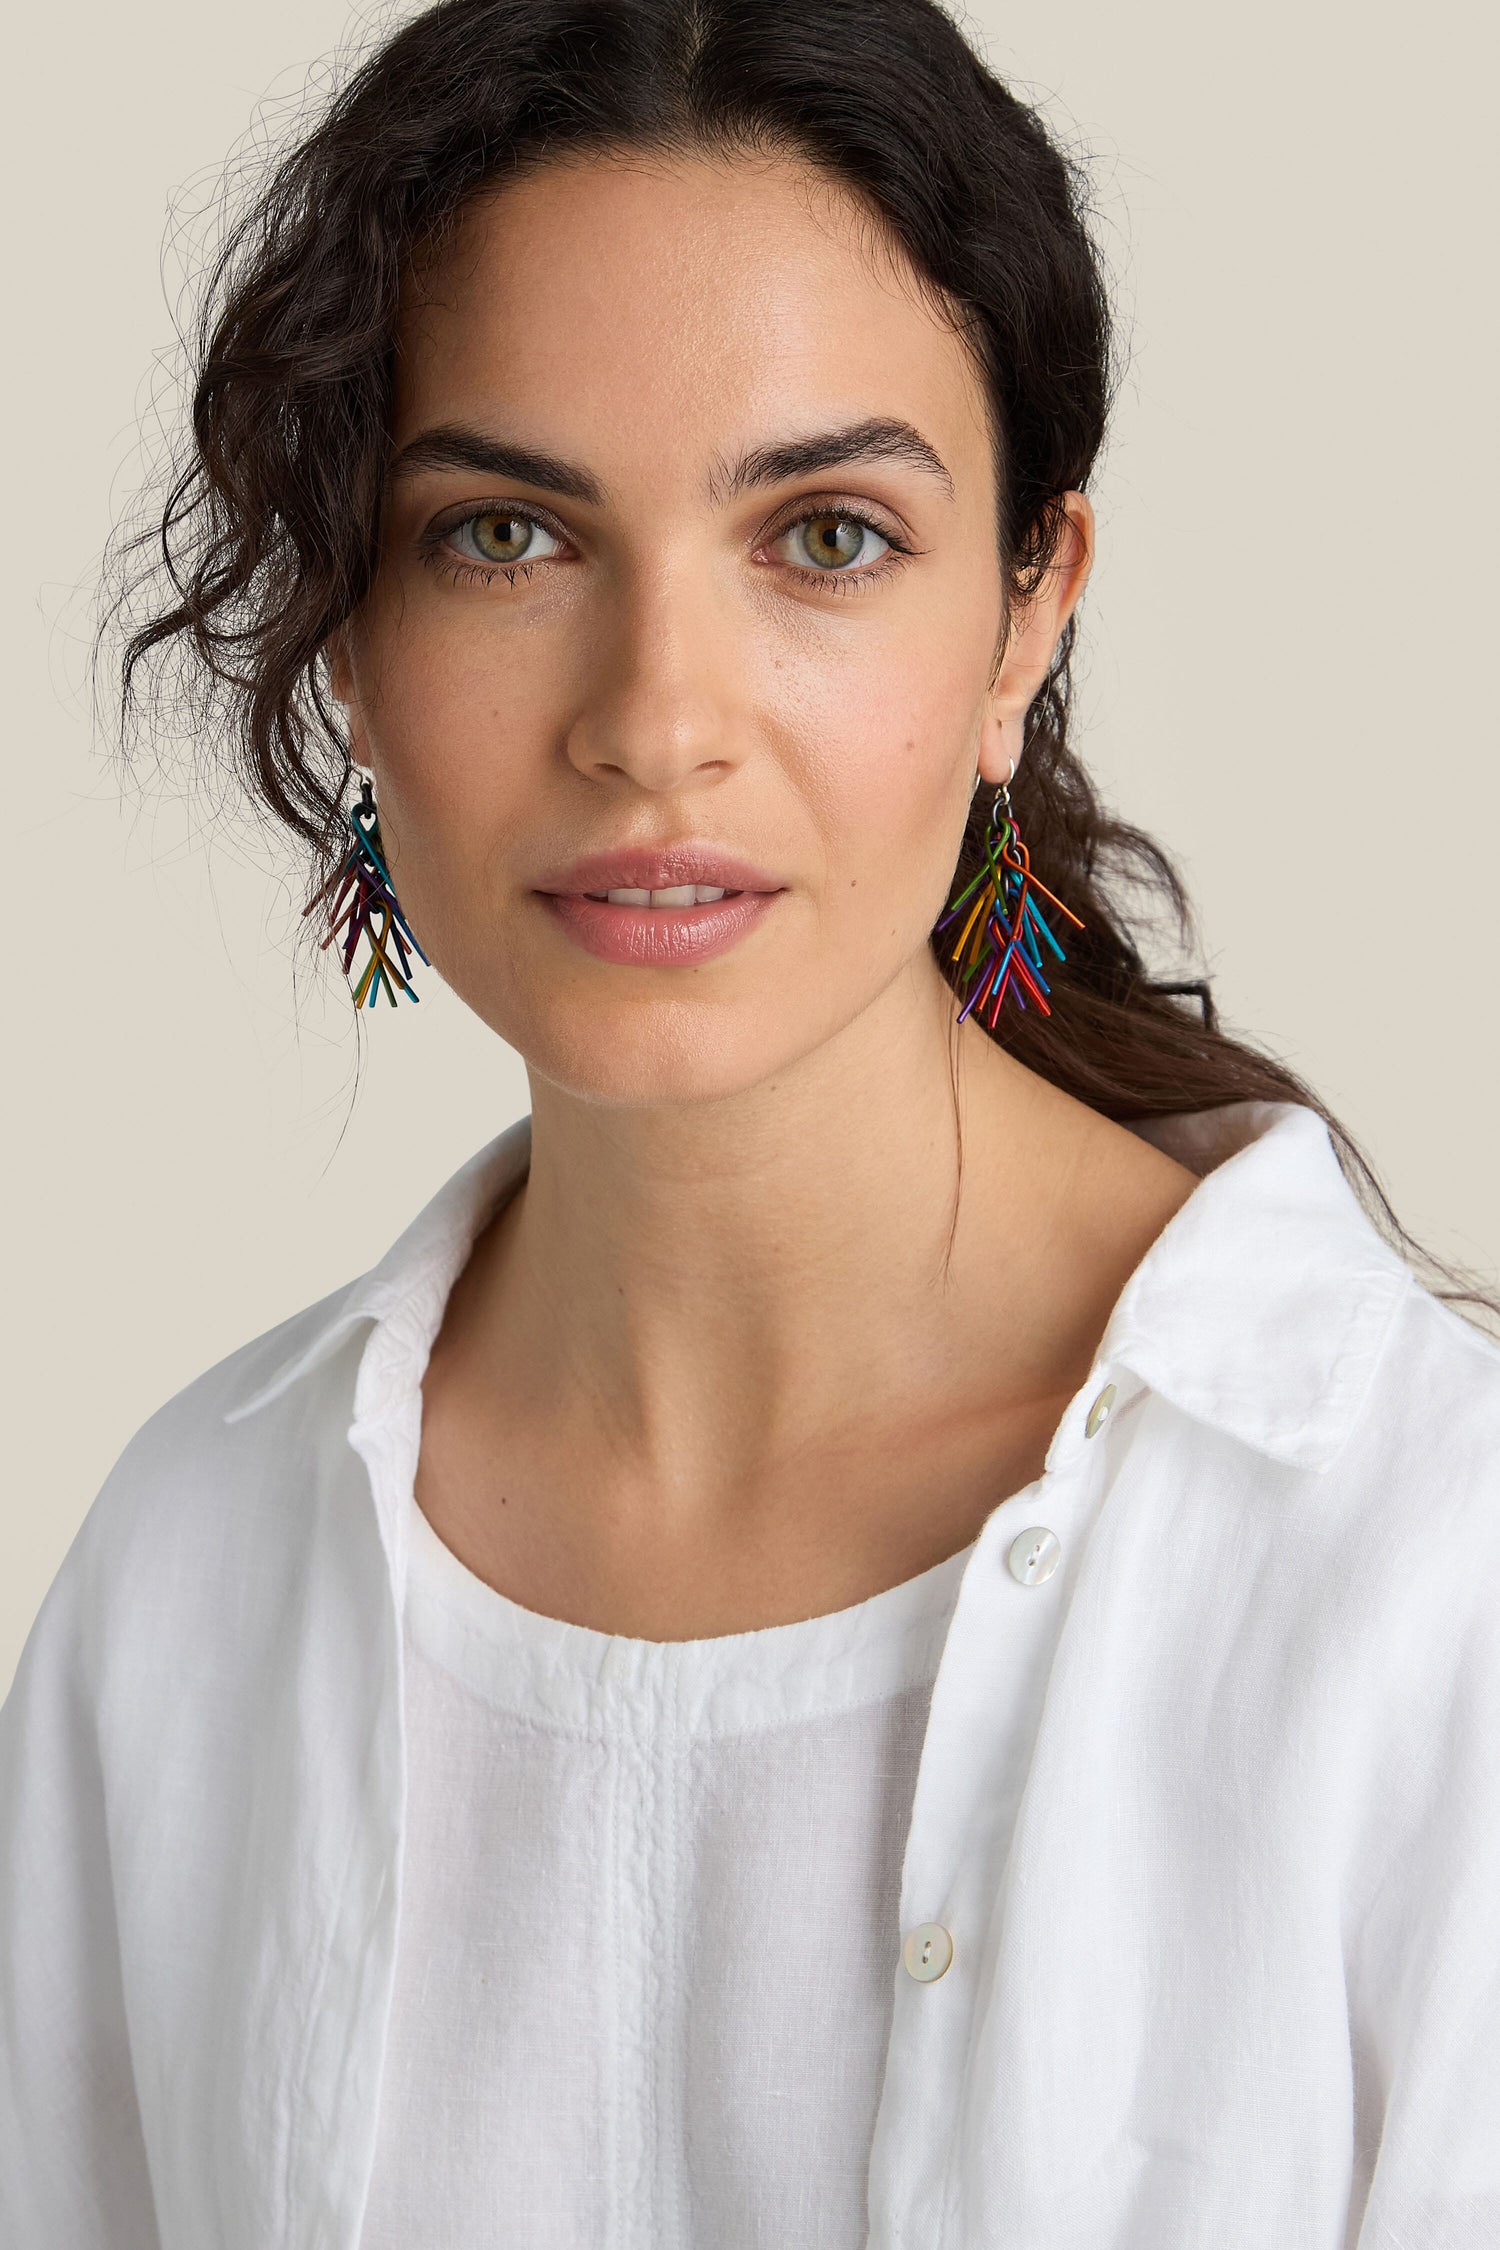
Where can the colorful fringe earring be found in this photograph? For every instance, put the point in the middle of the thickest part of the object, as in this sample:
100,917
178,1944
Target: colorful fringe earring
361,900
1004,922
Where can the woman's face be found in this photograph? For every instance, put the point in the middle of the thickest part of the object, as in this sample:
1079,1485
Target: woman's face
689,546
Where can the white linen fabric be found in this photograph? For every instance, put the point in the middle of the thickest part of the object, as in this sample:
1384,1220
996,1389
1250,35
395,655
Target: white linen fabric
650,1901
1210,1815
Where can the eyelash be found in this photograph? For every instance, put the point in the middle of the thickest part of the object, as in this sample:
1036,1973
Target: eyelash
463,571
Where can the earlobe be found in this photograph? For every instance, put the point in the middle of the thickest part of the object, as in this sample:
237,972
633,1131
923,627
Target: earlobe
340,679
341,687
1000,743
1002,737
1036,630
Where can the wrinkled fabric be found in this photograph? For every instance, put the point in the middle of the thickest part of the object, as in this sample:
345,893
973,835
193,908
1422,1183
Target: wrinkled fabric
1211,1813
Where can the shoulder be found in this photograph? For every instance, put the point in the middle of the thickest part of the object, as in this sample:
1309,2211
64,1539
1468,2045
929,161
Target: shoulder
203,1509
1412,1607
229,1501
214,1423
1405,1523
1429,1434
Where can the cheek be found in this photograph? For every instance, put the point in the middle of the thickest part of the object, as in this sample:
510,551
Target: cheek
451,727
886,747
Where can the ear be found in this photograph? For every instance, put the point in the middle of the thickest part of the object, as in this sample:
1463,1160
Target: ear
340,669
339,659
1035,629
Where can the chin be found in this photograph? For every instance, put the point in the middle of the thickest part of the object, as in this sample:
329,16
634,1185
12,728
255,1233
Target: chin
647,1052
650,1058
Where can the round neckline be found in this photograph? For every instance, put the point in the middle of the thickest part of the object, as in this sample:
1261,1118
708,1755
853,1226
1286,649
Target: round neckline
579,1678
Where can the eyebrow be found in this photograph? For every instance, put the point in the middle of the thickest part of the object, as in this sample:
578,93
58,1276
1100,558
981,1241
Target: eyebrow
455,445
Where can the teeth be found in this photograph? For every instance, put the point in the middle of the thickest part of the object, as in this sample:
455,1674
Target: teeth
681,894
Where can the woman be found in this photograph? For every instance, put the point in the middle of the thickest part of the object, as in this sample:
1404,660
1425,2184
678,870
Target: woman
878,1625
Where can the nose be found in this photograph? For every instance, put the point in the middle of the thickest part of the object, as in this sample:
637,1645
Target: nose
665,707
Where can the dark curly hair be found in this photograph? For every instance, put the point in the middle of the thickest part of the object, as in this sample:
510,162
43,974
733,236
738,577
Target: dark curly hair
265,540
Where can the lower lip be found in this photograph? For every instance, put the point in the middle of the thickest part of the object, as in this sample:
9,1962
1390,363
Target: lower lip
659,936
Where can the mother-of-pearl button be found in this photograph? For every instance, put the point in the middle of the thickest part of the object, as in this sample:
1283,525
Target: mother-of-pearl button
1099,1411
927,1952
1033,1556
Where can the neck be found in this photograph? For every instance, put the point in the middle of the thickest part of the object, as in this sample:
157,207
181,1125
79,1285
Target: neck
735,1281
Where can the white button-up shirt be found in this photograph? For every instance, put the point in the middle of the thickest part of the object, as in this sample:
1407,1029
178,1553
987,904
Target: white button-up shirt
1208,1806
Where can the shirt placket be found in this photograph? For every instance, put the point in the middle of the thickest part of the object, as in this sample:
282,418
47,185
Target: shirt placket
982,1724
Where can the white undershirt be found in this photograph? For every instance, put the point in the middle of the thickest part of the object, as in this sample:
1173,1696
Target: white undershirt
649,1922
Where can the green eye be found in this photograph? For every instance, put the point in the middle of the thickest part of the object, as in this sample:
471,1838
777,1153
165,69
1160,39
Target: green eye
831,542
498,535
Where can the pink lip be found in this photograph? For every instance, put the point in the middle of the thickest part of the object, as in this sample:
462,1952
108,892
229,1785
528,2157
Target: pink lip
658,936
660,867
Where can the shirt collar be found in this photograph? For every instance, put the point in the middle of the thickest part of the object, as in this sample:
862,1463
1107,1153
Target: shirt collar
424,1261
1260,1309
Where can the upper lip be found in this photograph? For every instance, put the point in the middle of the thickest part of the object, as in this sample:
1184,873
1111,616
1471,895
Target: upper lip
658,867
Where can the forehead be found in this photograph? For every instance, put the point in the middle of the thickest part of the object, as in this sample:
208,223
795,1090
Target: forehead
681,305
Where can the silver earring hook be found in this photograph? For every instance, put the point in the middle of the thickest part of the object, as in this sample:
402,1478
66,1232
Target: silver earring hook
1002,810
1001,807
1004,785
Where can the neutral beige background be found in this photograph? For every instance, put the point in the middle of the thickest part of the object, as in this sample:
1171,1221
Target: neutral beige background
1289,673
